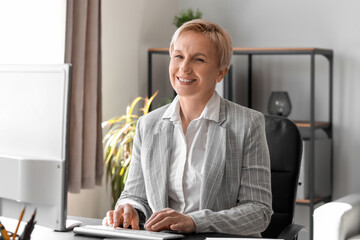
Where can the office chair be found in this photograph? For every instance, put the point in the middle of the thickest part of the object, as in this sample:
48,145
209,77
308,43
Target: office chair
285,147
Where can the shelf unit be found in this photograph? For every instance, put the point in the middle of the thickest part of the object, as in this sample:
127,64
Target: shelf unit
311,123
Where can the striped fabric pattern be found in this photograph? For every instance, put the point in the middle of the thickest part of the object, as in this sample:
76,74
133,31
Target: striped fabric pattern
235,194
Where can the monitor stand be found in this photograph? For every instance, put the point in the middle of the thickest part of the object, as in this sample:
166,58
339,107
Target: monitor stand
70,224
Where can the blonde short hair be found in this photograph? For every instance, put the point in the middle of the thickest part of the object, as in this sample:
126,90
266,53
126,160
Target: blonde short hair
214,33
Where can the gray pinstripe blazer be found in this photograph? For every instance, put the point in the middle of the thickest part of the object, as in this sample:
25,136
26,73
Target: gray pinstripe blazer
235,194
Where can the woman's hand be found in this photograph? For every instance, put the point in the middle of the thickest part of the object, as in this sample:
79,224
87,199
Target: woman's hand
169,219
124,214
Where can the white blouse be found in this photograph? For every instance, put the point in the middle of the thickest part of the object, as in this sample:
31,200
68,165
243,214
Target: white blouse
187,155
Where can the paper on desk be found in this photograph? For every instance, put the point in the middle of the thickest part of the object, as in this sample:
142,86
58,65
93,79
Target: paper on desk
216,238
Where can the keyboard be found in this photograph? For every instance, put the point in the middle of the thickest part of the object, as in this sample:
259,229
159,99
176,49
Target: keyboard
106,231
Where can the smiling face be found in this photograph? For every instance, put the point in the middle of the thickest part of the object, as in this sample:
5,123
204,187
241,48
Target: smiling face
194,67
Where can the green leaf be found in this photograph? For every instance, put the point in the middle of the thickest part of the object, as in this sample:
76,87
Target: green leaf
130,110
126,175
148,102
185,16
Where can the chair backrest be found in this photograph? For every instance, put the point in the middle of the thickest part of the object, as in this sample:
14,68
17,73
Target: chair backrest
285,147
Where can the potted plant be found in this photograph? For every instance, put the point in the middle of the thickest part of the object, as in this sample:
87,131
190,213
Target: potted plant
185,16
118,145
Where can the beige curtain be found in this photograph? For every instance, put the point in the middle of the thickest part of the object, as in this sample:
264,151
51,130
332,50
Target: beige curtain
83,51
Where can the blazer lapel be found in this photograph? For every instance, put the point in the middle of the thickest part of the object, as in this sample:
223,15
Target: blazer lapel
159,167
214,161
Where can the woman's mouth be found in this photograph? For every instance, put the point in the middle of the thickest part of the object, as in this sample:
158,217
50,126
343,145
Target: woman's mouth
184,80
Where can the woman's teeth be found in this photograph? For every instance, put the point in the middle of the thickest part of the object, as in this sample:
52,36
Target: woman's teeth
186,80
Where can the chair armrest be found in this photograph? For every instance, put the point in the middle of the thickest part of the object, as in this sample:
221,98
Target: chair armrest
339,219
290,232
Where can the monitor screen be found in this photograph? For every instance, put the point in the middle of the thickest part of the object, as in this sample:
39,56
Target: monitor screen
34,123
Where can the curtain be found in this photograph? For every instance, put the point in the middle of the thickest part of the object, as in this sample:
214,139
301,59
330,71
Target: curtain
83,51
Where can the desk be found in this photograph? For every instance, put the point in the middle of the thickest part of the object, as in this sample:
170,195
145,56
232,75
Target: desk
42,233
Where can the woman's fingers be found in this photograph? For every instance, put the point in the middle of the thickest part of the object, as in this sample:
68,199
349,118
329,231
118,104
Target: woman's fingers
117,217
109,218
131,217
156,218
169,219
105,222
124,215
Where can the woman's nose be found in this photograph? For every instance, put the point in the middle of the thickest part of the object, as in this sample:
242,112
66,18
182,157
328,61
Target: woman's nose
185,66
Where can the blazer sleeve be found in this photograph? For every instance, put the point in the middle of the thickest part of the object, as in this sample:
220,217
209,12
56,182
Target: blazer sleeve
253,210
134,192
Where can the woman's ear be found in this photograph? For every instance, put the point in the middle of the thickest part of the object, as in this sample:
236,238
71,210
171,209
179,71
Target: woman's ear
221,74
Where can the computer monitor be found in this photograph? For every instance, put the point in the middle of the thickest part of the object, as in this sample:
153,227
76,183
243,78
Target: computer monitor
34,124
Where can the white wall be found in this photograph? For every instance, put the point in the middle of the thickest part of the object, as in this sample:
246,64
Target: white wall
129,29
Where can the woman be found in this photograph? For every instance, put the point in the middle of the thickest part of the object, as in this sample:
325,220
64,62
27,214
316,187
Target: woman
200,164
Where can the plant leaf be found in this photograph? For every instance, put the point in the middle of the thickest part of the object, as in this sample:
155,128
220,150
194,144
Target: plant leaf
133,105
148,102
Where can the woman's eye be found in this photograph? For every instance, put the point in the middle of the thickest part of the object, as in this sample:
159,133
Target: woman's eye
178,56
199,60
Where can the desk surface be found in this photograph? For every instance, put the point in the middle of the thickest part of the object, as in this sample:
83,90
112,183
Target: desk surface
42,233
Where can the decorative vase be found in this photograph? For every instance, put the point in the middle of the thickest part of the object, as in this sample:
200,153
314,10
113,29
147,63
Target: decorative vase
279,104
